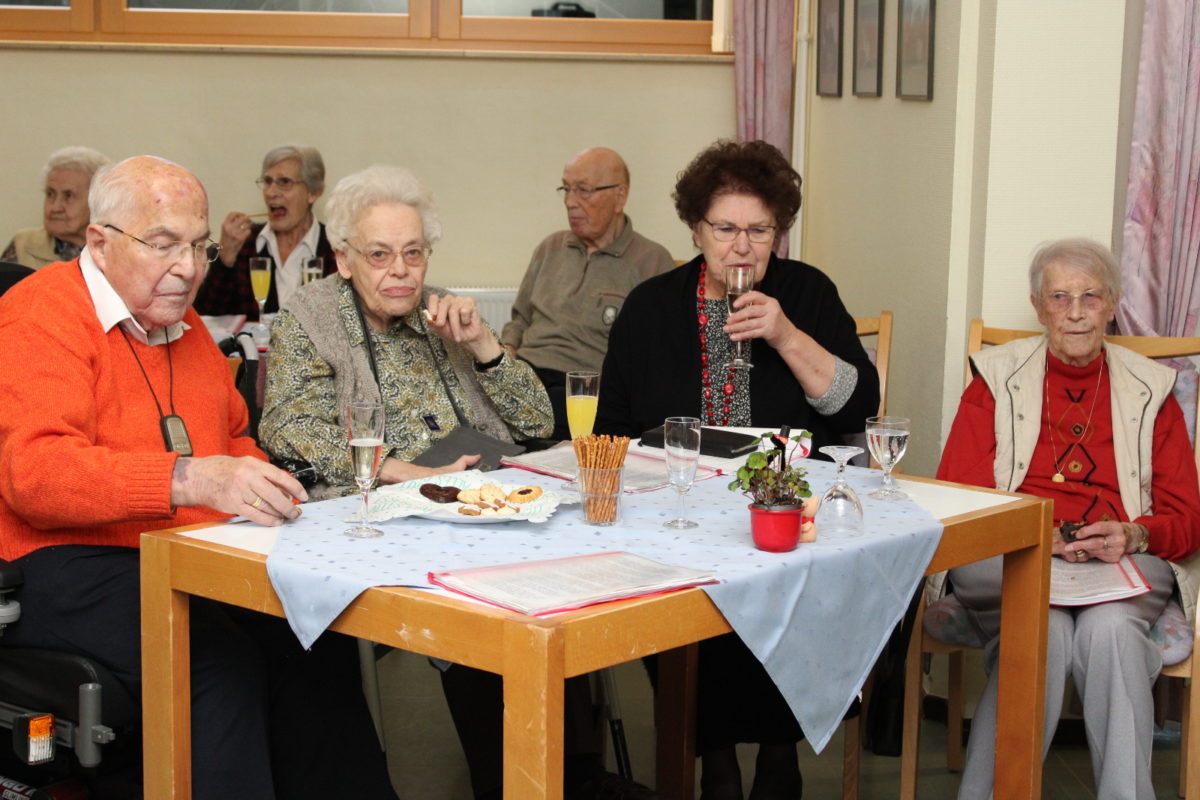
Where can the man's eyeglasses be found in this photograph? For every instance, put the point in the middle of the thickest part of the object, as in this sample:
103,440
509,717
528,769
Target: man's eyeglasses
758,234
1091,299
379,258
204,252
266,182
583,192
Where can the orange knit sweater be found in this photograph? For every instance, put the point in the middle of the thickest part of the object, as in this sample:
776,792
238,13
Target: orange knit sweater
82,459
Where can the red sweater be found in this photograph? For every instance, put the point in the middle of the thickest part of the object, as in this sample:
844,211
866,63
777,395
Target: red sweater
1089,493
82,459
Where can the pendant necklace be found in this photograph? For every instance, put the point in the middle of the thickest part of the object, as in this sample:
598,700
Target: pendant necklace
1058,477
174,432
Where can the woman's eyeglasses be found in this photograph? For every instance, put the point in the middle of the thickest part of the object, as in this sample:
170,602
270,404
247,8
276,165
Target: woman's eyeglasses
266,182
1091,299
379,258
725,232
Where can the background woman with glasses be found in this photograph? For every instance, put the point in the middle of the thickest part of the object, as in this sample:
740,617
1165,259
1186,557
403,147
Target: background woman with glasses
292,180
376,332
667,356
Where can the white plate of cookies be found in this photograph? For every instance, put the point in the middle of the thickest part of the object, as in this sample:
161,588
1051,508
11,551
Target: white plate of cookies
467,498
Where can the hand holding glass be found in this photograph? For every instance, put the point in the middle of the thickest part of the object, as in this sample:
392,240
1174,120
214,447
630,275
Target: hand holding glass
364,424
887,438
840,512
738,281
681,440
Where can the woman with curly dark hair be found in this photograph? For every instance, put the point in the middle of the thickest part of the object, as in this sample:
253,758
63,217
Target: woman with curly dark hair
670,353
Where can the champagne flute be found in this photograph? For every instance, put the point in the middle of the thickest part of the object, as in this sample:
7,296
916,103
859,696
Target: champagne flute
364,424
887,438
739,280
583,397
840,511
313,269
260,281
681,440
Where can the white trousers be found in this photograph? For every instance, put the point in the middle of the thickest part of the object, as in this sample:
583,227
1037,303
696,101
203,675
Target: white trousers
1106,650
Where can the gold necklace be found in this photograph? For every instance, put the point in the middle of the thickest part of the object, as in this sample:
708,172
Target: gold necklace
1058,477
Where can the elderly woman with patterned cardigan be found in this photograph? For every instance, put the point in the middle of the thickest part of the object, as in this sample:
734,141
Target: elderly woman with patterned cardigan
1094,427
374,331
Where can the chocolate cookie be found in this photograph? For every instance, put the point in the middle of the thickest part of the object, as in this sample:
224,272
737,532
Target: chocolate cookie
439,494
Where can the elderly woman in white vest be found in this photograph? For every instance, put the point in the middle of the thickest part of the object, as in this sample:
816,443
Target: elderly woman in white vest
376,332
1095,427
66,180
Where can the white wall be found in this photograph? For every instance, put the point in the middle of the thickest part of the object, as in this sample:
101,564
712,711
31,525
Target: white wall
488,134
932,209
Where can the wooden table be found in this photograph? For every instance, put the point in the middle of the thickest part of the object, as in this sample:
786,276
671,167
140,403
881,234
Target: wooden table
535,656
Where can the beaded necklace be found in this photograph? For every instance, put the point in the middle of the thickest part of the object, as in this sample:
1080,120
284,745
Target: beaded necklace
705,377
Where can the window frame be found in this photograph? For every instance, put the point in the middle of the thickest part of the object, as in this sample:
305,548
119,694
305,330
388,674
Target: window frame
428,25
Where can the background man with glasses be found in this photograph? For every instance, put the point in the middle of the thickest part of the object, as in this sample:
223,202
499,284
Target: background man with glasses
121,417
578,279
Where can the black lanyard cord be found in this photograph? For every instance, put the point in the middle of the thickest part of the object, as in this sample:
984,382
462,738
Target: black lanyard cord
145,377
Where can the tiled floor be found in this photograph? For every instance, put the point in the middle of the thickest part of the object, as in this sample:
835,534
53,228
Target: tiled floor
427,764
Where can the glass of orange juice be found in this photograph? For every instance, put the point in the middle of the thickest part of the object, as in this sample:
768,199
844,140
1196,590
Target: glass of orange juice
583,396
260,281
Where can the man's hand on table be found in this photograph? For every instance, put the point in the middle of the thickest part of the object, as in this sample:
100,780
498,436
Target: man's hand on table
246,486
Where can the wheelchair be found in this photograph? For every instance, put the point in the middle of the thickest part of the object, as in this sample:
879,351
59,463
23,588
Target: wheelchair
74,727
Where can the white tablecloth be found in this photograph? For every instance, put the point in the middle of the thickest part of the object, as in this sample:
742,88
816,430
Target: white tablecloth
817,617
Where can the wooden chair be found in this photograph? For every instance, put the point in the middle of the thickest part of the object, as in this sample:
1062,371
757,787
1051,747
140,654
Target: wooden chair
923,644
881,328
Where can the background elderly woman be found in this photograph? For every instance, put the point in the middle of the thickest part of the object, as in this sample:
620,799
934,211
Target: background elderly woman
666,357
1094,427
67,176
293,178
360,335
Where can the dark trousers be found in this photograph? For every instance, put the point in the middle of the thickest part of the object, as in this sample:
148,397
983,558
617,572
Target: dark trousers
556,386
269,720
475,699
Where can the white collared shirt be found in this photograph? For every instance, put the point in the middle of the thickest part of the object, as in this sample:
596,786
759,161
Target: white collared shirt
287,277
111,309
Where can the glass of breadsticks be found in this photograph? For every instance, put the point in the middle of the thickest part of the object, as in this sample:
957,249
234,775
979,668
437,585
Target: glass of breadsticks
601,462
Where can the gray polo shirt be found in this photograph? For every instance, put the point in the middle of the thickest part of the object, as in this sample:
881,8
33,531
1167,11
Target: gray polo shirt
569,299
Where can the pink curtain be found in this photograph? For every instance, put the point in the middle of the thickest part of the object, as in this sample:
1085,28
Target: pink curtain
1160,254
764,38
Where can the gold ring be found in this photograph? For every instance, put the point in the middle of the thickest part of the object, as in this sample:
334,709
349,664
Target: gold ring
1080,554
258,501
1106,541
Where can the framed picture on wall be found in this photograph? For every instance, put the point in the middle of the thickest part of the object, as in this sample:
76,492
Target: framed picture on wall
829,48
868,48
914,50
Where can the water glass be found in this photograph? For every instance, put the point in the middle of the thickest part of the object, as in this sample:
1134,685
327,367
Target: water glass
887,439
313,269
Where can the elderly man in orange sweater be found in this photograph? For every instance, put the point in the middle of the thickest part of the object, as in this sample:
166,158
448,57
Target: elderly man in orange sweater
120,416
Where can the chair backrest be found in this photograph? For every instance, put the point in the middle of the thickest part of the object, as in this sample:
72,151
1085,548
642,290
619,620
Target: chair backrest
1148,346
10,273
881,328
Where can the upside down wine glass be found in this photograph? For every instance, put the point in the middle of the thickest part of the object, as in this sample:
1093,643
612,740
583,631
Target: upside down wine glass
840,512
681,440
364,424
887,438
739,280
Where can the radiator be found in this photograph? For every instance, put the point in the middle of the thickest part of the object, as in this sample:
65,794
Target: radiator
495,305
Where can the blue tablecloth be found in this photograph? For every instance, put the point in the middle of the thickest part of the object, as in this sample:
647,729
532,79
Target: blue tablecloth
816,617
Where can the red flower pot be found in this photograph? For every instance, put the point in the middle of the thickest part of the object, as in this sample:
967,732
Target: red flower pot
775,529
